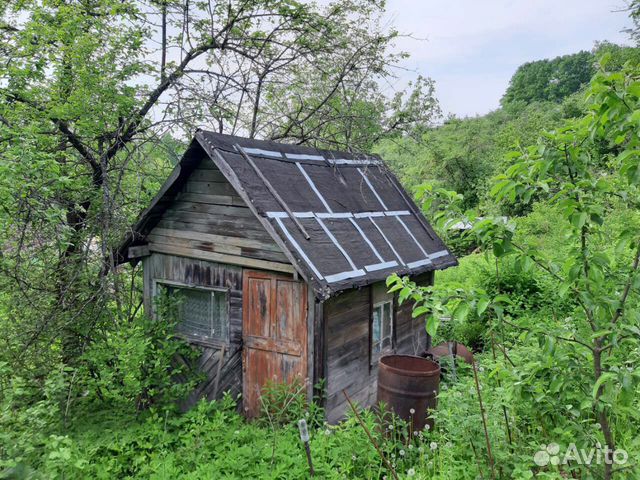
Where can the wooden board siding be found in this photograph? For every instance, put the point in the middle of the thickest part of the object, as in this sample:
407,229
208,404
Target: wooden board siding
346,318
209,220
347,346
158,267
411,335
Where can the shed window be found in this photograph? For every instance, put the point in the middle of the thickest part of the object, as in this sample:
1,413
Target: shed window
381,328
200,313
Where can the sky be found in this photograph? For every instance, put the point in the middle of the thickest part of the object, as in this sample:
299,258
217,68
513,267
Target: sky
471,48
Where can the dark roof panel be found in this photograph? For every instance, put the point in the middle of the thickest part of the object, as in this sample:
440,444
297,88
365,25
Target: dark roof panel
352,242
367,199
329,186
385,190
296,194
325,259
377,240
408,249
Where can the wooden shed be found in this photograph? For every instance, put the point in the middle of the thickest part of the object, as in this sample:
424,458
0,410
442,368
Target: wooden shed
279,253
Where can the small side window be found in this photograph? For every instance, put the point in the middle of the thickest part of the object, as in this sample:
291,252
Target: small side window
201,314
381,329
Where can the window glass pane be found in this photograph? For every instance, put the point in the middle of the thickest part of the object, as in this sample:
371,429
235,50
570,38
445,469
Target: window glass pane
195,313
375,325
387,311
200,313
386,331
220,319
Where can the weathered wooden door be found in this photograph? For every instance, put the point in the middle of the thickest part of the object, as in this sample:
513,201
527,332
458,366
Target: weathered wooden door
274,330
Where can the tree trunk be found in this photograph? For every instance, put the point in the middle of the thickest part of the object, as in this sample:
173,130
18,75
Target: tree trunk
601,414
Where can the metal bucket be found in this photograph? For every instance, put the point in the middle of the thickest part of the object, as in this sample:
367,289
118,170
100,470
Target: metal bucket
407,383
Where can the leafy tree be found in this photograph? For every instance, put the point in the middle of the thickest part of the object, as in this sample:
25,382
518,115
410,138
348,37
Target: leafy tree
616,55
550,80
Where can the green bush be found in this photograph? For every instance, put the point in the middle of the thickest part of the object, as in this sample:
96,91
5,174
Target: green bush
213,441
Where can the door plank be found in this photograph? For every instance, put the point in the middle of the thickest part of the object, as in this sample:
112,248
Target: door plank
274,333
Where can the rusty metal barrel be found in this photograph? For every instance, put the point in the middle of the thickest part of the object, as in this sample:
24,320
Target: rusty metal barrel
452,349
407,383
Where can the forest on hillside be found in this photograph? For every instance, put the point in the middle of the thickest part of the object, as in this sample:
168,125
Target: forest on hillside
539,199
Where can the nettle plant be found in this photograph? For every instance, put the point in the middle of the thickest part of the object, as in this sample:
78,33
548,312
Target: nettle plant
587,169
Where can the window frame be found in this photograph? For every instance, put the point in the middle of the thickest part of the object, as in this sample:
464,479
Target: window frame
196,339
390,348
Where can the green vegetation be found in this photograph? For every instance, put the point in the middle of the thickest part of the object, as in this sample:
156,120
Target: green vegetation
547,291
550,80
464,154
574,302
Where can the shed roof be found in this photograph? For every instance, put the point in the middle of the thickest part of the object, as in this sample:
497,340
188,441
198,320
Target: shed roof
343,220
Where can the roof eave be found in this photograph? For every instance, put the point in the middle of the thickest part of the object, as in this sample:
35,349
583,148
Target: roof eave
336,289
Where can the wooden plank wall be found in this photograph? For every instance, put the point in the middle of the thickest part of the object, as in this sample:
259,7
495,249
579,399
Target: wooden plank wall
347,363
209,220
347,347
410,333
207,274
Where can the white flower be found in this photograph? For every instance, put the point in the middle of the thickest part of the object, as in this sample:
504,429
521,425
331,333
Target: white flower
306,414
401,452
415,433
410,447
354,458
421,449
433,445
393,455
237,432
412,411
327,432
448,445
427,427
411,472
390,427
